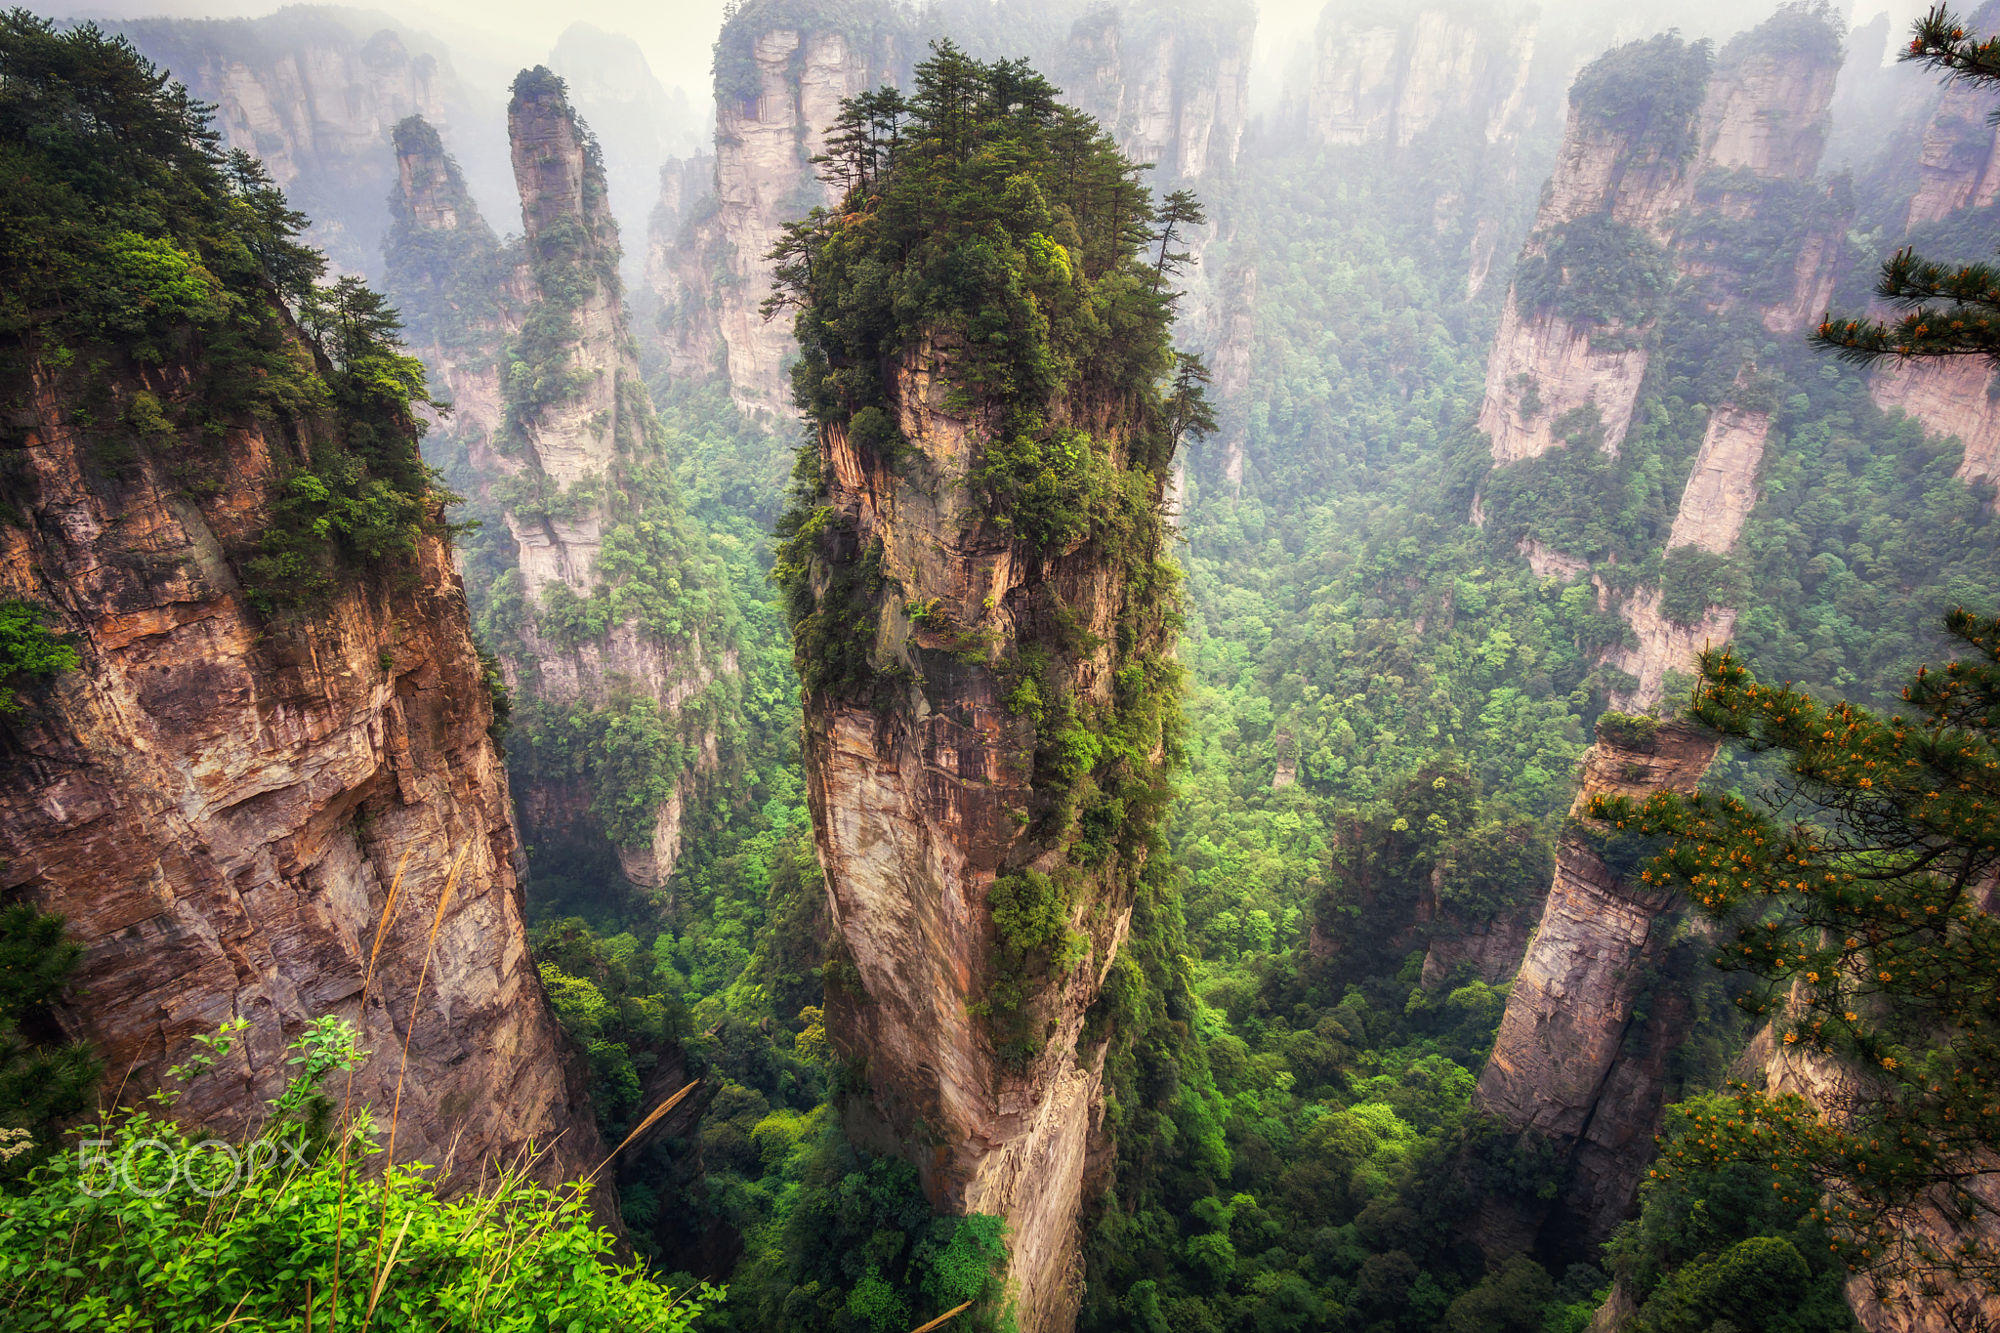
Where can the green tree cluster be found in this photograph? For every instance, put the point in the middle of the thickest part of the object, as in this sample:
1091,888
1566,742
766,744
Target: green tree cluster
128,240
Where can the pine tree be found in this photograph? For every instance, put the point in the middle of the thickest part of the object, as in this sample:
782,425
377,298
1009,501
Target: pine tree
1862,905
1949,309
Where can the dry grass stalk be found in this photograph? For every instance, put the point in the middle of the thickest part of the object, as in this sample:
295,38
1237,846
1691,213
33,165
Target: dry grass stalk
652,1118
943,1319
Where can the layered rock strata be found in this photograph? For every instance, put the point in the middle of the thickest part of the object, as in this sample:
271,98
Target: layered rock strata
234,813
1571,1065
923,796
558,435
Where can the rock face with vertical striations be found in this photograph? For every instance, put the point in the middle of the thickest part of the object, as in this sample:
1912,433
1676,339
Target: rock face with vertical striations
1172,85
607,620
987,664
1382,78
1959,170
778,84
922,799
1655,177
220,801
1571,1065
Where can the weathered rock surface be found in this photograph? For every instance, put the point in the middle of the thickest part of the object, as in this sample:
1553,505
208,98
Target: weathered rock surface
1542,369
1898,1307
1378,79
314,93
1952,396
1570,1064
922,795
1715,503
1763,119
1171,84
1958,165
1723,483
638,122
220,806
561,472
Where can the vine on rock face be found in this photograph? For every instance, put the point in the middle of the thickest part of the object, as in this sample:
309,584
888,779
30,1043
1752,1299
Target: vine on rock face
999,238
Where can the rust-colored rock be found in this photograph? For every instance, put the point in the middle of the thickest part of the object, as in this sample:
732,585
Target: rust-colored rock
219,804
922,795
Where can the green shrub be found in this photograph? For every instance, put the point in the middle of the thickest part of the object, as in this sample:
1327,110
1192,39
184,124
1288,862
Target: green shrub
29,652
1595,271
302,1240
1646,91
1628,731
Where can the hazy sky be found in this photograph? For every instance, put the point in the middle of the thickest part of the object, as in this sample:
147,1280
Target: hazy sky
495,37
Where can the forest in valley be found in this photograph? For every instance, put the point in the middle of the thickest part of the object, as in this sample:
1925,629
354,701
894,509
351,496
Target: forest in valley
1117,682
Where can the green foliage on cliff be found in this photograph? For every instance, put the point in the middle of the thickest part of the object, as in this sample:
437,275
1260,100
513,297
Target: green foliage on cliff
991,229
451,279
30,652
1866,924
129,240
1715,1240
43,1079
1646,93
1595,272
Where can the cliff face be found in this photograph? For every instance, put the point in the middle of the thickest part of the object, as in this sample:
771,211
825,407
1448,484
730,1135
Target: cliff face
919,803
777,89
1172,86
461,294
639,123
1959,169
314,95
220,804
1958,164
1673,171
1377,81
1715,503
1549,363
1571,1064
557,434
